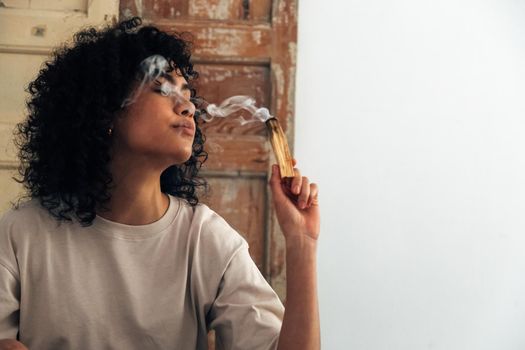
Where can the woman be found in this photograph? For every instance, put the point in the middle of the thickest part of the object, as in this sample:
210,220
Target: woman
112,250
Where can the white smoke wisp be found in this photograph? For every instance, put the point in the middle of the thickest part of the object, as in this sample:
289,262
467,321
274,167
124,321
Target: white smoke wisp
151,69
234,104
156,66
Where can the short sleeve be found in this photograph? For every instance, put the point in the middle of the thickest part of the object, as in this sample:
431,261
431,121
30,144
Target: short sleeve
9,280
9,303
247,313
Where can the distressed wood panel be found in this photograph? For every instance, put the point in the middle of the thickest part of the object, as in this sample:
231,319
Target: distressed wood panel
217,82
241,202
229,153
284,25
230,41
241,10
284,62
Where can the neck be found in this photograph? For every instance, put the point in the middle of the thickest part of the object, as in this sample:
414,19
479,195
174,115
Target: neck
136,198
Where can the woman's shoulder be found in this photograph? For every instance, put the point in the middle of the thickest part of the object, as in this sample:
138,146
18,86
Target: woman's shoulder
207,227
18,226
28,220
26,212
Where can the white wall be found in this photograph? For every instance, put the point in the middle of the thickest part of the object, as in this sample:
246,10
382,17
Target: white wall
411,117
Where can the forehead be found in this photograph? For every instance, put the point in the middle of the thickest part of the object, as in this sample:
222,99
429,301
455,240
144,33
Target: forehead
175,77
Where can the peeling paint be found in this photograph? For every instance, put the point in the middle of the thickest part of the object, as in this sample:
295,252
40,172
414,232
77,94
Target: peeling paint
291,91
127,13
210,9
290,103
292,51
293,8
278,14
138,5
228,46
279,84
230,194
226,74
214,147
290,107
256,37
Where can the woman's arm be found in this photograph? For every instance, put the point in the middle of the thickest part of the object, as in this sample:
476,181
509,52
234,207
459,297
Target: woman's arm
298,216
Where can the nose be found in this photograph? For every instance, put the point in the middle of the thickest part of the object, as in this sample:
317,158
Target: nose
184,108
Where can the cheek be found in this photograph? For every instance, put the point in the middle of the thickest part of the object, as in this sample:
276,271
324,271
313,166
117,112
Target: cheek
140,129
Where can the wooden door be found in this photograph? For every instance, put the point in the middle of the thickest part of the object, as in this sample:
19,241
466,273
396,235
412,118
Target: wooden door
241,47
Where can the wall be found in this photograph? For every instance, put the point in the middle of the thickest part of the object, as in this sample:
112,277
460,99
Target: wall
410,115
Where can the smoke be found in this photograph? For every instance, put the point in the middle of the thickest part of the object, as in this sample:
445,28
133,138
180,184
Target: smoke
234,104
151,69
154,67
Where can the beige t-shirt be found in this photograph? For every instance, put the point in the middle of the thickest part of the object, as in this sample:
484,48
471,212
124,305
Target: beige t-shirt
115,286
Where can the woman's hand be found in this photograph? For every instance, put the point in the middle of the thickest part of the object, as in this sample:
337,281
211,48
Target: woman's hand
296,205
297,209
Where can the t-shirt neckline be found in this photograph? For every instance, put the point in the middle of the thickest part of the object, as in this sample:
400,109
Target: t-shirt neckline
138,232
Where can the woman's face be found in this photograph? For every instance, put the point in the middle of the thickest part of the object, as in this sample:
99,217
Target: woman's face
158,126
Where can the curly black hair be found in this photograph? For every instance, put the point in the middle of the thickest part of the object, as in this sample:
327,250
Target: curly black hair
64,145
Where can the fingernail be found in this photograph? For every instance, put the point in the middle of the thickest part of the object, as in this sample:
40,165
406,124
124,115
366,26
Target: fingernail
296,189
302,204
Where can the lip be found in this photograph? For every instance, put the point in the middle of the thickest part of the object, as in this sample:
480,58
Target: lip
185,127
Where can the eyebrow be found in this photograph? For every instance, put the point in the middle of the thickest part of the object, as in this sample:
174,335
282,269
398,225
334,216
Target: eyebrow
169,78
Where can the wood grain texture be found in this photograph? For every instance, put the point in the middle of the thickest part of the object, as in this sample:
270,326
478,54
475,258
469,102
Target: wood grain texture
217,82
231,153
230,41
242,10
283,64
240,201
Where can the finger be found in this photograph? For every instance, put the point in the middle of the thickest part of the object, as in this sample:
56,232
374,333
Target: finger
314,193
294,161
305,193
281,196
275,183
296,182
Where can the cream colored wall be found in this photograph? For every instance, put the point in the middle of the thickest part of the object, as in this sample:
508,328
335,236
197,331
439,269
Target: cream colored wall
28,32
16,70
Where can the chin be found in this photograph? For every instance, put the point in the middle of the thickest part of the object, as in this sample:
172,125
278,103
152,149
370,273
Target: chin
182,158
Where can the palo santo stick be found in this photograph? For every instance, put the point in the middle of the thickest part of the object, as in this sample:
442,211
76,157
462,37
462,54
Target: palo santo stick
280,147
